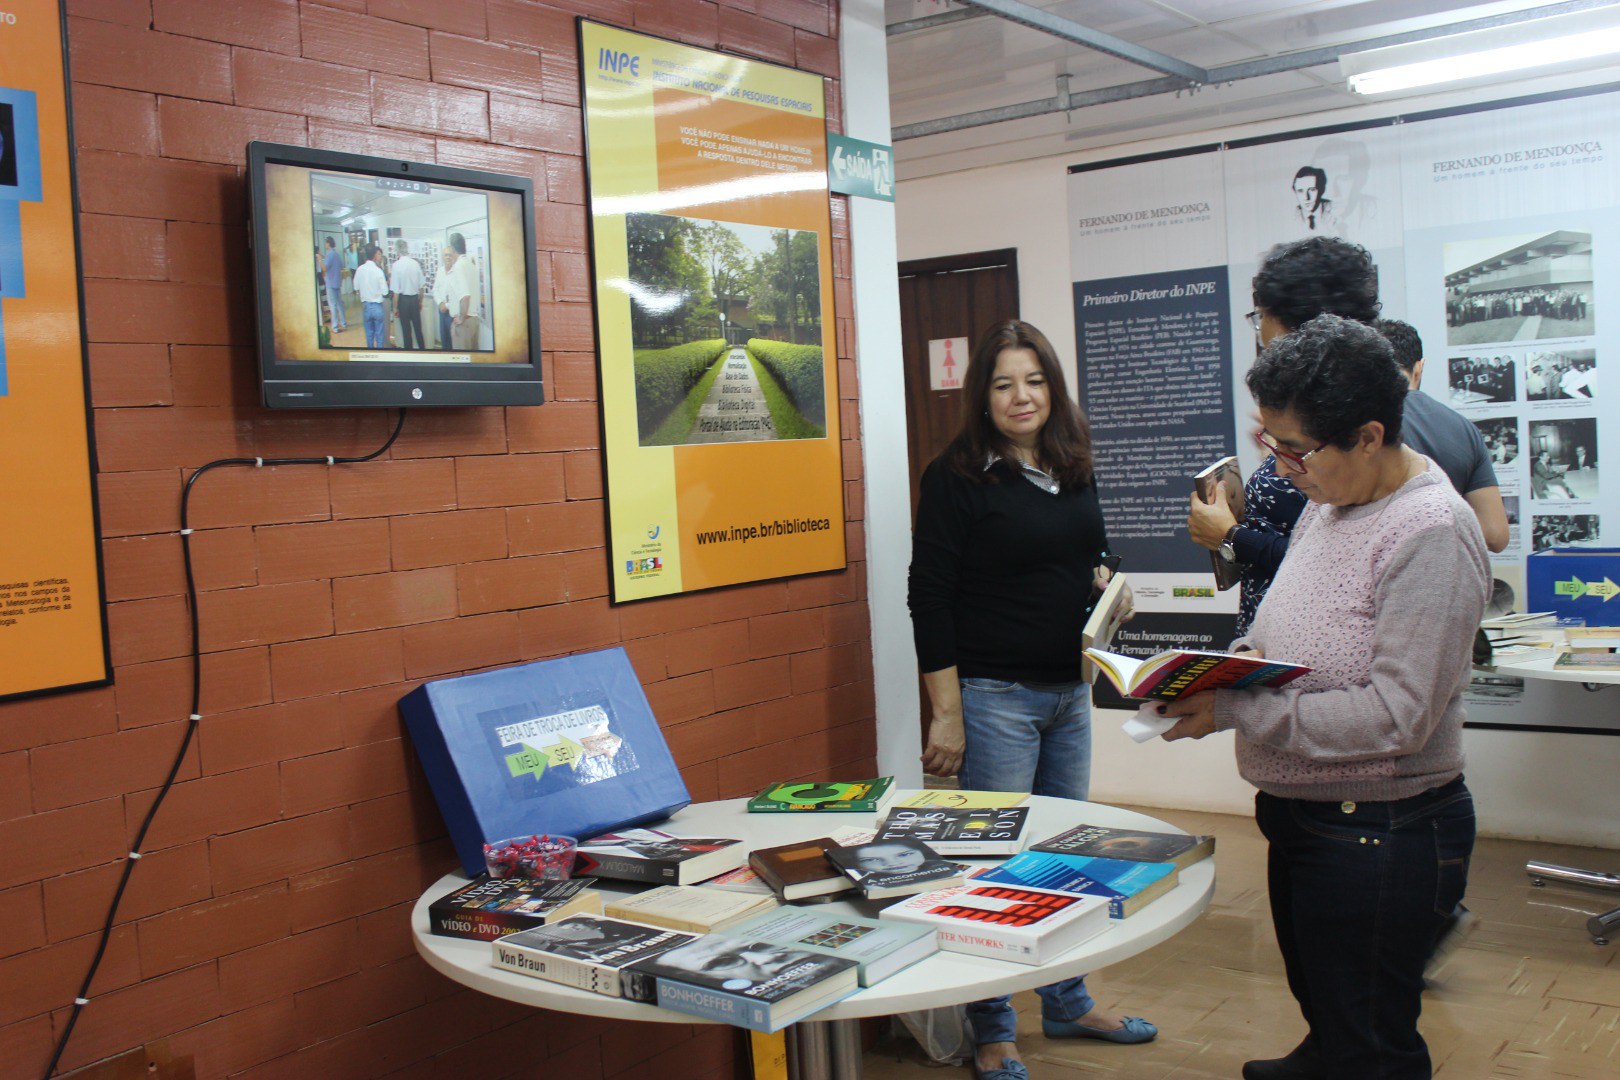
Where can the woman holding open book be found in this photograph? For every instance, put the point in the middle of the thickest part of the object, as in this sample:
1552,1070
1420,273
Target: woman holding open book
1359,763
1008,553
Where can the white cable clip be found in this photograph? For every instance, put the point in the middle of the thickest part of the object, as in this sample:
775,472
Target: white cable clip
330,460
258,463
81,1001
187,532
196,716
134,855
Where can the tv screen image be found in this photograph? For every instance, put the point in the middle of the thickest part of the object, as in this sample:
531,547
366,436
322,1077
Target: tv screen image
387,283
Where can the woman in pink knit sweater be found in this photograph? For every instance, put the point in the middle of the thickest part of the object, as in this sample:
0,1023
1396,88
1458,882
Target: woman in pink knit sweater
1359,763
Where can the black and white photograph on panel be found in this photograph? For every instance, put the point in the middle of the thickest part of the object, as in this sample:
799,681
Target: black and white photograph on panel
1563,459
1562,375
1501,435
1510,506
1482,379
1526,287
1563,530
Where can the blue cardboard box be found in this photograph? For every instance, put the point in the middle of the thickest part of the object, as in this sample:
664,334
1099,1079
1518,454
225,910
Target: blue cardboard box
557,746
1575,582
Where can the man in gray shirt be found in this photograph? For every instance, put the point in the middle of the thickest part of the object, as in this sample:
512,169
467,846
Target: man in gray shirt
1448,437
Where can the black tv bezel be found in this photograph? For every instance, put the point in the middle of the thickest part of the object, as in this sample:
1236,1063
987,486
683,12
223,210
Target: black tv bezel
326,384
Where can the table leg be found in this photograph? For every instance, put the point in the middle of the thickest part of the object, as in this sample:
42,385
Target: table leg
1602,927
1541,872
824,1050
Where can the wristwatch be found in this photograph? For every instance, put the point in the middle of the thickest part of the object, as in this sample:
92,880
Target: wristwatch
1228,552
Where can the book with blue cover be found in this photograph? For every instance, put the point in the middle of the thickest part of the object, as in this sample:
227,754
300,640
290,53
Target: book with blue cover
1125,885
558,746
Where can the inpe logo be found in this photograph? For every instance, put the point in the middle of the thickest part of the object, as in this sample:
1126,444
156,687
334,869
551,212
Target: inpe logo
619,63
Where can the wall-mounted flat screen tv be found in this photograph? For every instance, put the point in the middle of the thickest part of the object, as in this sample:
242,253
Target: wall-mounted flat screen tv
392,283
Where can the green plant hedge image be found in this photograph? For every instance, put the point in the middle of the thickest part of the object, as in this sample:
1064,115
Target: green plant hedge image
798,368
665,376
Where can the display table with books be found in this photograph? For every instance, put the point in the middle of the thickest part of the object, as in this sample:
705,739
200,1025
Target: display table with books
941,979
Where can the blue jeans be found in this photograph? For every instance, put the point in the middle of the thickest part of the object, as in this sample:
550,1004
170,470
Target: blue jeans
1359,892
334,297
1037,741
374,316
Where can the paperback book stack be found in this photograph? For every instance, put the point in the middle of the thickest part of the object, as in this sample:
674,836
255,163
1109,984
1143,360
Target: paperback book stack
1017,923
485,908
1126,886
690,907
800,871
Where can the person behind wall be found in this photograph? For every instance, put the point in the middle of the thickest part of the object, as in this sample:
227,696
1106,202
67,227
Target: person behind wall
461,295
1446,436
1008,554
1359,762
1296,282
405,281
334,286
371,284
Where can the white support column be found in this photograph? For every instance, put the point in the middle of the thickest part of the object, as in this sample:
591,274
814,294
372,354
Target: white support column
863,47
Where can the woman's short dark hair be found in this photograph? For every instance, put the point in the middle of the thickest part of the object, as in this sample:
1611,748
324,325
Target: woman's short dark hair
1335,375
1320,275
1063,447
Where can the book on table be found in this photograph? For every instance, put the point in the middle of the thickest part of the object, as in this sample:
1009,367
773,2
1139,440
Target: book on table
1596,659
800,870
961,798
1169,675
741,880
689,907
959,831
658,857
485,908
899,867
753,985
1180,850
587,952
1008,922
828,796
1204,483
880,949
1126,886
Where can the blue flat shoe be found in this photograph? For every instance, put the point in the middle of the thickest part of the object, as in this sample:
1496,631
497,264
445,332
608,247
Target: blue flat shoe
1134,1030
1009,1070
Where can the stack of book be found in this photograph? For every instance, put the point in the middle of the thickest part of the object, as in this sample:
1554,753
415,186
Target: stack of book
1125,885
587,952
759,986
1024,925
690,908
800,871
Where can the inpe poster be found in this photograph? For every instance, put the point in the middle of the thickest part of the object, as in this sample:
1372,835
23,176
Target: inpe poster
52,630
1494,231
712,254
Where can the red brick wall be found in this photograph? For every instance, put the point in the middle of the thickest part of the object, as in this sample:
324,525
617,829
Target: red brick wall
265,932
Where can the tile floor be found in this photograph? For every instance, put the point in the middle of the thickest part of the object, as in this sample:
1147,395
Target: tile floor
1527,996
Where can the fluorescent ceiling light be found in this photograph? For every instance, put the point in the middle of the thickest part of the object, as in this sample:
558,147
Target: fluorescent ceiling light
1500,61
1559,41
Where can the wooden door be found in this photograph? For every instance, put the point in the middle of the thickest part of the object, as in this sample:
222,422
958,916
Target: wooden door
954,296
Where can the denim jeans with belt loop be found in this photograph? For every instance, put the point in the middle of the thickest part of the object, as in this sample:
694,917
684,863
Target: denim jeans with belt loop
1359,893
1038,740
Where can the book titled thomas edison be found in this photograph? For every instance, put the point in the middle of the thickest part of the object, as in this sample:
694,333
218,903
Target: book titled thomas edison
758,985
959,831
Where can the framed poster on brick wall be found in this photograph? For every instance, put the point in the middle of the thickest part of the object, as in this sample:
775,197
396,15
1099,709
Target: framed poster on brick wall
53,632
711,247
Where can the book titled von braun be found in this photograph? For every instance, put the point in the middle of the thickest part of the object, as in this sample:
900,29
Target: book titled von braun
959,831
485,908
587,952
1008,922
659,857
756,985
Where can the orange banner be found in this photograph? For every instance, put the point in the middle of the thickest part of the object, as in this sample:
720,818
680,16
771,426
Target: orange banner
52,629
712,253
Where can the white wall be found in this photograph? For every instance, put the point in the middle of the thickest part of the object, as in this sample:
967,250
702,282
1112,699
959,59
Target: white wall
1535,785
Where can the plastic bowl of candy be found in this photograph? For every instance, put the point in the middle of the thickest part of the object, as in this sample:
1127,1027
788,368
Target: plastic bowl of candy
549,857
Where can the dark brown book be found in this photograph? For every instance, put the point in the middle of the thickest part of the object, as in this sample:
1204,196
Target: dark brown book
1226,574
800,870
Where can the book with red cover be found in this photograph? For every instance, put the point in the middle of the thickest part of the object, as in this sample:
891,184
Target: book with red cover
1178,672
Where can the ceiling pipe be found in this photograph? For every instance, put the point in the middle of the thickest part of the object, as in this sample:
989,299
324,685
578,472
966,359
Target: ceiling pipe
1033,17
1248,69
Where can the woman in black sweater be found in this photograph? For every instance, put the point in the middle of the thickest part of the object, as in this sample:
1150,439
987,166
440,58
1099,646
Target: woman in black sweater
1007,557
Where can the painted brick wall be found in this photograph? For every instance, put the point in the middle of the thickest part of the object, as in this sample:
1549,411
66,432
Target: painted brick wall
265,932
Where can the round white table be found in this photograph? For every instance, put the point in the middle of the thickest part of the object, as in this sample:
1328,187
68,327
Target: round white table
1601,927
946,978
